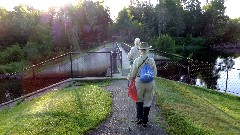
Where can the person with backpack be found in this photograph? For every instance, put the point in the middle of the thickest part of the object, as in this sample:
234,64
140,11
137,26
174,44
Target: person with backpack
144,69
134,52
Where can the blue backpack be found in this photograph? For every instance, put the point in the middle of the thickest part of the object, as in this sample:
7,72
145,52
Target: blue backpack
146,73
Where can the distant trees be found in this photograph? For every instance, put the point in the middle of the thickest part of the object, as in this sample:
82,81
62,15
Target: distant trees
40,35
43,34
214,21
126,26
181,19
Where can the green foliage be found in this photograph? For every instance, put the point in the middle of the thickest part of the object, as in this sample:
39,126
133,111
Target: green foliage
175,24
66,111
32,51
148,21
163,43
94,20
193,110
12,54
125,26
5,69
70,29
208,25
12,67
214,21
190,41
36,52
232,31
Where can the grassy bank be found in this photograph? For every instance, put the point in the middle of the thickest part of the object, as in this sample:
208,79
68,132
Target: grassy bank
192,110
66,111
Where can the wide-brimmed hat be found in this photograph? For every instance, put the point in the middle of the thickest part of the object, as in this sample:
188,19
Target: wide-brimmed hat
144,46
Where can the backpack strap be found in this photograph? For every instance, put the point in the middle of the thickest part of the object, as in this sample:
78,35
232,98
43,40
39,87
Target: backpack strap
142,63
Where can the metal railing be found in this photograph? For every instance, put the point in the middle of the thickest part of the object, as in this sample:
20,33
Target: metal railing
108,61
203,74
126,47
52,71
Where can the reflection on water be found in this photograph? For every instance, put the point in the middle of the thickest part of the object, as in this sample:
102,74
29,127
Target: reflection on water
228,81
232,84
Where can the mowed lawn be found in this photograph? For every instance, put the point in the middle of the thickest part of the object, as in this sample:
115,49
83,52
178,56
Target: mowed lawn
192,110
72,110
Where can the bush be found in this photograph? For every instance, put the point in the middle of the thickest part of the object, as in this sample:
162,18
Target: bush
4,69
190,41
32,51
163,43
12,67
12,54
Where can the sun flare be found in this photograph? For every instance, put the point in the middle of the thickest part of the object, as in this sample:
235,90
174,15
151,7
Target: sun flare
114,5
41,4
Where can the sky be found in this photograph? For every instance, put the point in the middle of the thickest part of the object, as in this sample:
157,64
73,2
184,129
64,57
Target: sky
115,6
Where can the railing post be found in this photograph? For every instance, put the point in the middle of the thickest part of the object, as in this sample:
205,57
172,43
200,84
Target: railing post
114,62
71,65
188,70
226,85
34,73
121,58
111,64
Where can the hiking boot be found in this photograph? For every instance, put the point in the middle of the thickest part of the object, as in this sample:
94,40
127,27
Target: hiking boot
145,116
139,106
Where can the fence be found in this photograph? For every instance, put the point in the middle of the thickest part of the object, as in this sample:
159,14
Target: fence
70,65
203,74
106,62
126,47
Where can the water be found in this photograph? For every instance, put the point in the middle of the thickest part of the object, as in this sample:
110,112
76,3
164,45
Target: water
228,80
233,82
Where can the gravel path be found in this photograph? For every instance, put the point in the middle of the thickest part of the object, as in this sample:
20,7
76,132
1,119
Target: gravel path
123,112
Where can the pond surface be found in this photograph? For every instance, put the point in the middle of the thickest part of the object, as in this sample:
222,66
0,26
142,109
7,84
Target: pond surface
227,80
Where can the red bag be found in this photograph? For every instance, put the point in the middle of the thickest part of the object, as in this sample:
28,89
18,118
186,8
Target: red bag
132,92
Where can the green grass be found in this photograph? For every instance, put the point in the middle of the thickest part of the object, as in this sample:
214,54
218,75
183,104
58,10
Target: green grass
192,110
66,111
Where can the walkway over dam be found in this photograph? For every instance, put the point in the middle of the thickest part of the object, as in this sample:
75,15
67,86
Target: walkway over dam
107,61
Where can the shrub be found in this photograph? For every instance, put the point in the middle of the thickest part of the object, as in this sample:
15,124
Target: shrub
31,50
4,69
12,67
163,43
12,54
190,41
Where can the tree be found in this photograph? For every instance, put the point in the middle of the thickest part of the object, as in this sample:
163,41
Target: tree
149,21
175,24
96,21
143,14
161,12
214,21
192,17
163,43
124,23
232,31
